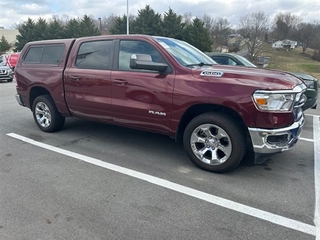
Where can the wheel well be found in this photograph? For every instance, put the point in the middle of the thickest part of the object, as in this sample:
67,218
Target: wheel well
196,110
35,92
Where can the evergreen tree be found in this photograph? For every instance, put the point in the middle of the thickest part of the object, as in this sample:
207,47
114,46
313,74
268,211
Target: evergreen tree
197,35
4,45
25,34
72,29
88,27
55,30
119,26
40,30
148,22
172,25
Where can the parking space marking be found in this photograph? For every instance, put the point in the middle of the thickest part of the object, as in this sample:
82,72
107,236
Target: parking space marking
222,202
306,139
316,136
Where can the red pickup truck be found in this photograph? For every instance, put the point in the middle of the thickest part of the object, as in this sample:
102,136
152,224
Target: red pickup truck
165,86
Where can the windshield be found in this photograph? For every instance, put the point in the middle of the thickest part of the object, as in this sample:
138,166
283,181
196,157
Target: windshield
2,62
245,61
184,53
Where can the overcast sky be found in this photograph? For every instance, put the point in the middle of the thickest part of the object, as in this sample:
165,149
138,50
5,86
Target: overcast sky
17,11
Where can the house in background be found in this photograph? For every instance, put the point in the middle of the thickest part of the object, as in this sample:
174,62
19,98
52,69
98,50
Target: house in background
234,42
10,35
285,44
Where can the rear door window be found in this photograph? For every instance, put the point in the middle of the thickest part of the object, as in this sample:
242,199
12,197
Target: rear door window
95,55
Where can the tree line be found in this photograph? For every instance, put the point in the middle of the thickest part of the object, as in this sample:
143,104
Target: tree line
204,32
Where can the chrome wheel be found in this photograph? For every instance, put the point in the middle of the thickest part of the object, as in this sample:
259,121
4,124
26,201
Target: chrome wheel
46,114
211,144
43,114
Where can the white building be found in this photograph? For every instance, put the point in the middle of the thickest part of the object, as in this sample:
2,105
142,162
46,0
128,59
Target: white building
285,44
10,35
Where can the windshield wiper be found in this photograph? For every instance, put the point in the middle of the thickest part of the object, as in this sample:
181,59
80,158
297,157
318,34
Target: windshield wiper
200,64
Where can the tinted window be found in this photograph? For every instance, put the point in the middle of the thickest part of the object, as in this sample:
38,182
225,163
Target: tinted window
127,48
2,62
45,54
52,54
94,55
34,55
221,60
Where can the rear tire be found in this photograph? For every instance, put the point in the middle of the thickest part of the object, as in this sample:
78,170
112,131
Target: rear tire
214,142
46,114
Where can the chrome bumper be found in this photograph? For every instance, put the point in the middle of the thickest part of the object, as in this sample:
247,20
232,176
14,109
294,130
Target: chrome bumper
19,100
269,141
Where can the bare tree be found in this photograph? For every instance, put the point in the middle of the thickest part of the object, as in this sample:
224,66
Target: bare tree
107,23
315,42
284,24
187,18
208,22
305,33
253,27
221,31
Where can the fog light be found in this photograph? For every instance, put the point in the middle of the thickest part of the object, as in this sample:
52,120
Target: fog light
279,140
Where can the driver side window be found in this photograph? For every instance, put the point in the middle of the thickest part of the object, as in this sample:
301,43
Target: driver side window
129,47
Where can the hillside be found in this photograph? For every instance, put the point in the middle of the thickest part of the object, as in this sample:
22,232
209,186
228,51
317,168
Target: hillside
294,61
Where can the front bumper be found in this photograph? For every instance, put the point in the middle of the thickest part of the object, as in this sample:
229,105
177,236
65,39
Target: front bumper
6,75
270,141
19,99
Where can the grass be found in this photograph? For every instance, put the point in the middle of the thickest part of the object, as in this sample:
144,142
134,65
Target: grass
293,60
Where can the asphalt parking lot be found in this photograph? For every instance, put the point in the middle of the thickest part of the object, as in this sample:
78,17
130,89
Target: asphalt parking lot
96,181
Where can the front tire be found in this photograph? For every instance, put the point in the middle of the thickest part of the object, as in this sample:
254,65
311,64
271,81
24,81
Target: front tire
10,80
214,142
46,114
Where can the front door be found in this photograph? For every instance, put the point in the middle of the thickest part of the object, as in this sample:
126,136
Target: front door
141,98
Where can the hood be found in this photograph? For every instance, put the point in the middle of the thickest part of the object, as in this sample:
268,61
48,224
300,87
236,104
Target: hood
262,78
304,76
5,68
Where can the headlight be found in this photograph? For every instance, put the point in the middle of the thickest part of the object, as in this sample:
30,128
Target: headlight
309,83
274,101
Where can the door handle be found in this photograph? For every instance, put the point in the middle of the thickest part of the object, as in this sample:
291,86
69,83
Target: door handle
74,78
120,81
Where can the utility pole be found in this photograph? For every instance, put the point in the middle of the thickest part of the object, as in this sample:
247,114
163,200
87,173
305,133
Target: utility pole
100,25
127,17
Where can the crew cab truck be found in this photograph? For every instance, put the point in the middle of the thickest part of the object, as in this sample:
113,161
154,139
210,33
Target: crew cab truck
166,86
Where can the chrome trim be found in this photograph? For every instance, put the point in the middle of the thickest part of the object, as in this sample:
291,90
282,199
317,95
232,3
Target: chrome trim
260,136
297,89
19,100
301,101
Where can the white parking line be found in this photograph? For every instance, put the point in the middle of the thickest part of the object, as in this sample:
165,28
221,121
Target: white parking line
306,139
316,136
312,115
254,212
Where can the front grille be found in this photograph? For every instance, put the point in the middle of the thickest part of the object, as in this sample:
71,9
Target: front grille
3,72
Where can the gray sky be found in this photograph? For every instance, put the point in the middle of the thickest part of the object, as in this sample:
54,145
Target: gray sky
17,11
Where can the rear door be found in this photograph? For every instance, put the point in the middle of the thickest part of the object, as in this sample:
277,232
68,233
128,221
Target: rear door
88,79
141,98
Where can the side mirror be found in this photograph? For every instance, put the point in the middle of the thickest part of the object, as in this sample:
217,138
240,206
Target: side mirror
144,61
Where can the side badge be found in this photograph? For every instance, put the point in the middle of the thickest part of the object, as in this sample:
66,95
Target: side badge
211,73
